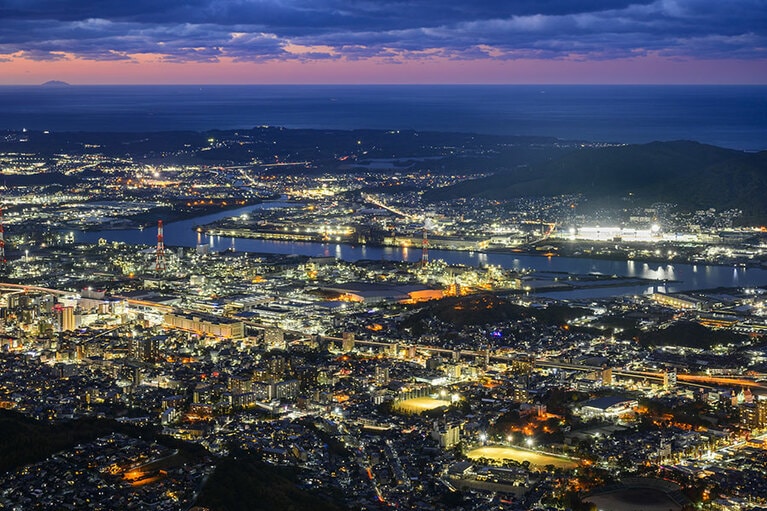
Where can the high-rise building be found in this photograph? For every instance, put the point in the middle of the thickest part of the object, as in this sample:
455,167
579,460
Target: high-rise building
287,389
274,338
753,415
67,319
240,384
382,376
347,343
448,435
761,413
669,379
277,366
146,349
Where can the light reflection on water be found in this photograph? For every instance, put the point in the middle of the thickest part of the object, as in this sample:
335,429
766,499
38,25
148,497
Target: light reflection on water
182,234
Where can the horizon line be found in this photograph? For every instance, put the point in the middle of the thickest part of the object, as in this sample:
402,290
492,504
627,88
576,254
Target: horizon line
63,83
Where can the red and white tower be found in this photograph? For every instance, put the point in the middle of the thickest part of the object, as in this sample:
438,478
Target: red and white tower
2,238
160,264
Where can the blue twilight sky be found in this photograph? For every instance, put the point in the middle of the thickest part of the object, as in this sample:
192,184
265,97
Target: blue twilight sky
384,41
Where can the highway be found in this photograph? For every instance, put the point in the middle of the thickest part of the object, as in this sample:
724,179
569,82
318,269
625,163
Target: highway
23,288
695,380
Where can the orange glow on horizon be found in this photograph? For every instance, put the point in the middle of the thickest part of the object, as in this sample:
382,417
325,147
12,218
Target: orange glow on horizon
421,68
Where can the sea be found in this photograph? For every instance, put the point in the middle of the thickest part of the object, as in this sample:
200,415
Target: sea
727,116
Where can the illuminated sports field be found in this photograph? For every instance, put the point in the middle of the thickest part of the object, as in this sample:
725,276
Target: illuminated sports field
420,404
521,455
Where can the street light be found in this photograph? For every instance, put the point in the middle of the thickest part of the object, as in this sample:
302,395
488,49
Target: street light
529,442
483,438
509,438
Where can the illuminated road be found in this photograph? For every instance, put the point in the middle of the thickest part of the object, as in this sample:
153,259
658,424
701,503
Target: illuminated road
719,380
695,380
692,379
385,206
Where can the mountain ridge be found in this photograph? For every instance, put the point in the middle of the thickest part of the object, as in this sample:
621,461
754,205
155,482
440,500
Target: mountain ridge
691,174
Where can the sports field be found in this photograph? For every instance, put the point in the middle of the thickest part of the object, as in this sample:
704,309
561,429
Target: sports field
420,404
520,455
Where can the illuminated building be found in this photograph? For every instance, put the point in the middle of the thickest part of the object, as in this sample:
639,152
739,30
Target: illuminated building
274,338
678,301
373,292
146,349
206,324
67,319
669,379
448,435
608,406
753,415
347,341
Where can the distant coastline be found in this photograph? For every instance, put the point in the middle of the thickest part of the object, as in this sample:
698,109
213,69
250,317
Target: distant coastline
726,116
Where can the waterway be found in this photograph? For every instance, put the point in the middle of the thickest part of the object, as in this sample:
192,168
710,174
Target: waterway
685,277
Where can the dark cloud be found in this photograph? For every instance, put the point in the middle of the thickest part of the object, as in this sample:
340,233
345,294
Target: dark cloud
208,30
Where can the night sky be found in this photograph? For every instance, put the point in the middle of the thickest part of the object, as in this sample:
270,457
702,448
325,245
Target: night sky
383,41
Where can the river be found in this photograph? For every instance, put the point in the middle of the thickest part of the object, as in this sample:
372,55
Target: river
689,277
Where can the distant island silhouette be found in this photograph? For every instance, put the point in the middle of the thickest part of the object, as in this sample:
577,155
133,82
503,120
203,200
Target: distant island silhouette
55,83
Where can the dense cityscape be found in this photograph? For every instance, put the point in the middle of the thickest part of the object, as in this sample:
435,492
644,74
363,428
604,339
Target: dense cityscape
181,330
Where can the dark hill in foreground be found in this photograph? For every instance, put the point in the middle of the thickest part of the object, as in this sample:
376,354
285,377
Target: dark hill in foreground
242,483
239,482
690,174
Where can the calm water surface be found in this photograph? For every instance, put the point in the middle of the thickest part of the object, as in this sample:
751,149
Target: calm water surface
690,277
